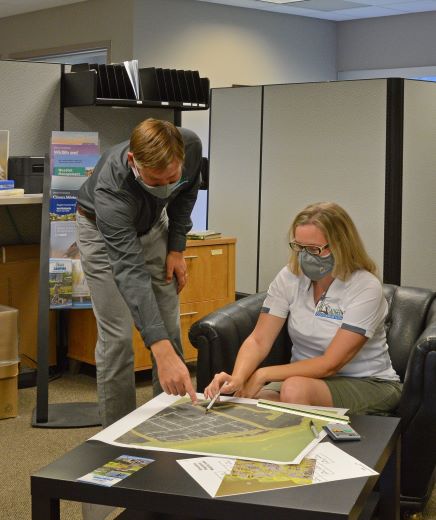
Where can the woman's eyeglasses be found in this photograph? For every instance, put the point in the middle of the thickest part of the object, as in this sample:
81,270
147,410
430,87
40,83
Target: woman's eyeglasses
313,250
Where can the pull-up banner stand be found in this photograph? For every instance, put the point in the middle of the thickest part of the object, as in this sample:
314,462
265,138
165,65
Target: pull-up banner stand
57,415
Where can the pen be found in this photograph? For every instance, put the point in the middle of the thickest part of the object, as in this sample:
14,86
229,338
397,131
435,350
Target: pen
314,430
214,398
212,402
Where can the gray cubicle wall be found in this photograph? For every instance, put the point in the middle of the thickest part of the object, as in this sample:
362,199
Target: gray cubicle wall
322,142
234,152
29,105
418,239
303,143
30,109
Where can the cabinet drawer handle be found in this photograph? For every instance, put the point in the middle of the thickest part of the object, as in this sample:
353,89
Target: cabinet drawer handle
190,257
193,313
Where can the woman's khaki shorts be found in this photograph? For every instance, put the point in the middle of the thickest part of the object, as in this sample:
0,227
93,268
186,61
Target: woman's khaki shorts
364,395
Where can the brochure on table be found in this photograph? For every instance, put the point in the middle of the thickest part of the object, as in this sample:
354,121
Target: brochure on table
224,477
73,156
116,470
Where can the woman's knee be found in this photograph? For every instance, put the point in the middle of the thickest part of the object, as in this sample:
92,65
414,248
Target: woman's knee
294,390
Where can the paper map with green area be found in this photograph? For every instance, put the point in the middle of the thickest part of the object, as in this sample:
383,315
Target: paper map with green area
233,428
251,476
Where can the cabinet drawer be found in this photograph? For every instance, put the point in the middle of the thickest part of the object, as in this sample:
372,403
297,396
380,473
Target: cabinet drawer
211,284
210,271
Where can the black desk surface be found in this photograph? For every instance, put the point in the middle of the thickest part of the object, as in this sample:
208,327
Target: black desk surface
165,487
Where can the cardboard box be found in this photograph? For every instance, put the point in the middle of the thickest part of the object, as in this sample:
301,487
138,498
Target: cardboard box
19,288
8,390
9,335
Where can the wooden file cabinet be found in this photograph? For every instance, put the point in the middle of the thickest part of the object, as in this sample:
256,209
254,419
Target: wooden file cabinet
211,284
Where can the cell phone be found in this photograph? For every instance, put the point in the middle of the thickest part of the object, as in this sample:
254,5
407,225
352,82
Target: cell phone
341,432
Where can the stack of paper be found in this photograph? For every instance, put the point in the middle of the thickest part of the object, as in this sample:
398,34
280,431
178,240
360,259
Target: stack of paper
13,192
202,235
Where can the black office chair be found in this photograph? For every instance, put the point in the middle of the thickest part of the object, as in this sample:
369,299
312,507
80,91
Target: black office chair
411,334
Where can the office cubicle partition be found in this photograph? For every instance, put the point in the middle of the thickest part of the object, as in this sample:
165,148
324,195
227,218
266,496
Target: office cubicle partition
418,236
235,154
339,141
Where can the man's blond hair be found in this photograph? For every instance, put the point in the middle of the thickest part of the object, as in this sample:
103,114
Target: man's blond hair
341,235
156,144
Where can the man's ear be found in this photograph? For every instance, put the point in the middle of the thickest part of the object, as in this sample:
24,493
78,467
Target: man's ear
130,159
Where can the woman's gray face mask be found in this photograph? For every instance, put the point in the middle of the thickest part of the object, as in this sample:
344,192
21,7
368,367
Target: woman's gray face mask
315,267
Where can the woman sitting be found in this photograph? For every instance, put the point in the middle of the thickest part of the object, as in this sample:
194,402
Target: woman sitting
335,312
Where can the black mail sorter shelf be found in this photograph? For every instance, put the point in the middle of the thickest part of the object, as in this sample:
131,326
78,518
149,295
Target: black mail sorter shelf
159,88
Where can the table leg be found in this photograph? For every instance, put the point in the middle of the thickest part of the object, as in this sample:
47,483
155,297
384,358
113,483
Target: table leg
45,508
389,486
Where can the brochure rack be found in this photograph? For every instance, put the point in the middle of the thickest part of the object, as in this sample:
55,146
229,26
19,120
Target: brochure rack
58,415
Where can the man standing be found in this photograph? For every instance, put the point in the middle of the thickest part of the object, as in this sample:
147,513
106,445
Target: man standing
133,214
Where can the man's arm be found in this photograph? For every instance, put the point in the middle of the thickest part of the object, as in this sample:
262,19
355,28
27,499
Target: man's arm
180,208
134,282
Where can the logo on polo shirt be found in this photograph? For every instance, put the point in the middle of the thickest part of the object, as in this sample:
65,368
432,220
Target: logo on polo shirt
327,310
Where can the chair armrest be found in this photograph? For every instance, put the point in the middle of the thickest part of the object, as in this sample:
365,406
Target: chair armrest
417,410
218,336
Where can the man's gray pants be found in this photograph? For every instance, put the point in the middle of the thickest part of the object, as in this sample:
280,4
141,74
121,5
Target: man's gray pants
114,351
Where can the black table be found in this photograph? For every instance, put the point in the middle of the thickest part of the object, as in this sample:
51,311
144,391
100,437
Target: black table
165,488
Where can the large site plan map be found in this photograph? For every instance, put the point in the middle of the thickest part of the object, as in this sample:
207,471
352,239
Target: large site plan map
233,428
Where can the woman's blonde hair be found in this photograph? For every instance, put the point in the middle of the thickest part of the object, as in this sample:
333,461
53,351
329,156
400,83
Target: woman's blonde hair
341,235
156,144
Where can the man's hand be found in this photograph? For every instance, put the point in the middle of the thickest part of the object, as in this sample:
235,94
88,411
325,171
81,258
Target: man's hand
176,266
173,374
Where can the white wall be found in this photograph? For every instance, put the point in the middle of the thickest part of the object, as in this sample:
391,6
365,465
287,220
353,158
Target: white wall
70,26
232,45
387,43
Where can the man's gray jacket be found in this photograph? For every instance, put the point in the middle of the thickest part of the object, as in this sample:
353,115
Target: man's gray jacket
124,211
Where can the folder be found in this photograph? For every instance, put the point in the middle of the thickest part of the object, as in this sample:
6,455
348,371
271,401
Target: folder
176,86
205,90
104,81
162,85
197,84
122,91
191,85
113,86
130,93
183,87
149,84
169,85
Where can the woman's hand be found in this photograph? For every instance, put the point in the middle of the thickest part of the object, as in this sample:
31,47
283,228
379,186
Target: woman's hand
223,383
253,385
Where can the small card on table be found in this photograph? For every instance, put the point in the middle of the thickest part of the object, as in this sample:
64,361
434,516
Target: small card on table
116,470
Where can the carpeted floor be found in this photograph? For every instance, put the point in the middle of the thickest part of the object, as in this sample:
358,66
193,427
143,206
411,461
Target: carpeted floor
25,449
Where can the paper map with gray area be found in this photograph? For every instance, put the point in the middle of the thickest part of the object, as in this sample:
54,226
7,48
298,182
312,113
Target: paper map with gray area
229,429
